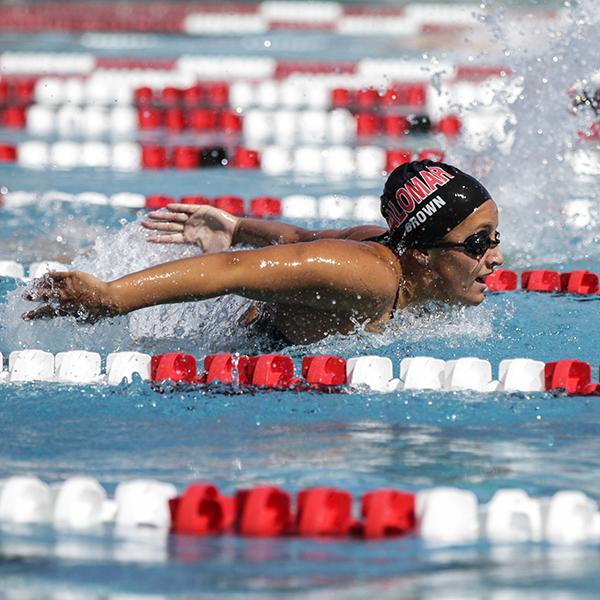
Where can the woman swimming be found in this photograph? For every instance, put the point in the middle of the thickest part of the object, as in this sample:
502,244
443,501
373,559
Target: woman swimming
441,243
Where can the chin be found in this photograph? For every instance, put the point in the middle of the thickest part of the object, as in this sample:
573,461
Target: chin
475,299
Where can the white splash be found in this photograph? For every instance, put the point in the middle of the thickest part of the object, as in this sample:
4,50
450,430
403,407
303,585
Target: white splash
522,134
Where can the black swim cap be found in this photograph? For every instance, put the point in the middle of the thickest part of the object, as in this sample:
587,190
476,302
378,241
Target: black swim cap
423,200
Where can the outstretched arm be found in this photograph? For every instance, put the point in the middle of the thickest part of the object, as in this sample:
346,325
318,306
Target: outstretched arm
214,230
333,275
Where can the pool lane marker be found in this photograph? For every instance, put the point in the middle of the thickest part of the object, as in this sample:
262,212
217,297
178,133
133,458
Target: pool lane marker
321,373
439,515
368,161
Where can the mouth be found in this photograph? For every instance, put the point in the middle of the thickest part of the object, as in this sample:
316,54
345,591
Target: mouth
481,279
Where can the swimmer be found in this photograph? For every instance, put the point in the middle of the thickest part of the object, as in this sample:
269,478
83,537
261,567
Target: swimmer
440,244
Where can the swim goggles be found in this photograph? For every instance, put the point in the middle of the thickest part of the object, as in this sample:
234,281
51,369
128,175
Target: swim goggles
475,245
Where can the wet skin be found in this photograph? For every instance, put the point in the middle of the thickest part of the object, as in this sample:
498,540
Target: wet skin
317,283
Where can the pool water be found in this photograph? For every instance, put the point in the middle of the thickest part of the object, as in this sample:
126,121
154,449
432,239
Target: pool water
540,442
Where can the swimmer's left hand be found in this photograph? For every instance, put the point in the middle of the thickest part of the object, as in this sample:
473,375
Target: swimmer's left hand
70,294
210,228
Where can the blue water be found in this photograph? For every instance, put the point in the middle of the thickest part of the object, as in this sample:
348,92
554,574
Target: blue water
359,442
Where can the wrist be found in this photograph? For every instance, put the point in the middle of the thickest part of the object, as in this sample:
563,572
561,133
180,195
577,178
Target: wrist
116,298
235,231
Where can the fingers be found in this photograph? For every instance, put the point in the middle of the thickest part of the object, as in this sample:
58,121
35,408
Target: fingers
43,312
46,287
159,215
174,238
187,208
174,227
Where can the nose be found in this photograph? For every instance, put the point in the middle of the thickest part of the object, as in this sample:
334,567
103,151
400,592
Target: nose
494,257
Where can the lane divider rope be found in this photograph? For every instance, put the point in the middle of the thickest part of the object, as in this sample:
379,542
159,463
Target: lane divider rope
318,373
440,515
211,19
309,160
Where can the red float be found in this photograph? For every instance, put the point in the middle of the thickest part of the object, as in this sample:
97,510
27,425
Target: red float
149,117
449,126
230,122
200,511
225,368
218,93
265,206
367,98
143,96
502,280
431,154
367,124
270,370
341,98
579,282
158,201
202,119
200,200
574,376
395,158
541,280
232,204
8,153
186,157
324,370
417,95
324,511
175,119
174,366
24,91
171,96
14,117
193,95
154,157
245,158
395,125
263,511
387,513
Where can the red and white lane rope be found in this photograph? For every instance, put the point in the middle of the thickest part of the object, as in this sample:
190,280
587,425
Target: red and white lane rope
334,161
243,19
365,208
278,371
283,126
439,515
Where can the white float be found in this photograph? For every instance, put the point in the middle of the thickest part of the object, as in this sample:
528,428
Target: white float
375,372
30,365
512,516
422,373
571,518
468,374
335,206
144,503
11,268
521,375
123,365
447,515
25,500
79,504
299,206
77,366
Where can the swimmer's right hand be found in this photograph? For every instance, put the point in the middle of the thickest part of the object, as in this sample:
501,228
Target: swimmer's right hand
206,226
71,294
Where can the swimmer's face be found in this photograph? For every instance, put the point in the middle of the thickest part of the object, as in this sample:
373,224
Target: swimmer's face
458,276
